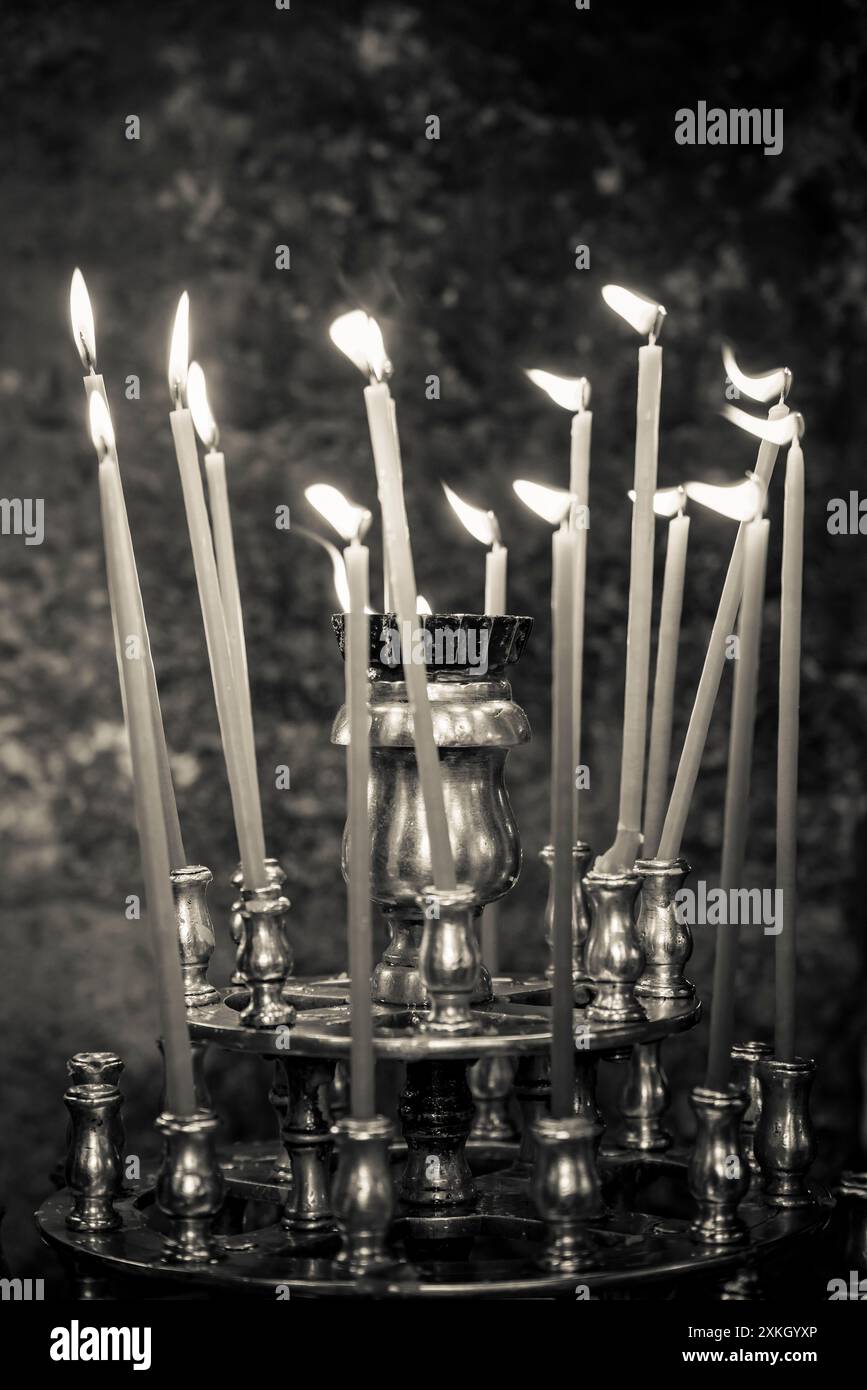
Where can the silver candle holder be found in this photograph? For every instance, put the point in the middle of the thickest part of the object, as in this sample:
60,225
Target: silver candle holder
195,933
190,1187
665,940
785,1145
718,1170
615,958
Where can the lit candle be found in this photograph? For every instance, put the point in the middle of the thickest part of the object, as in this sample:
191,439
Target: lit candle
785,943
667,502
555,504
224,550
573,394
736,814
774,431
484,527
646,318
242,783
85,340
352,523
180,1092
359,337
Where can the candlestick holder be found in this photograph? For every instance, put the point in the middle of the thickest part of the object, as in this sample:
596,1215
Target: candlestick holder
308,1138
615,958
718,1170
785,1146
581,856
491,1080
363,1194
565,1188
449,959
745,1060
644,1101
266,958
274,873
189,1187
95,1140
195,933
436,1109
475,724
666,941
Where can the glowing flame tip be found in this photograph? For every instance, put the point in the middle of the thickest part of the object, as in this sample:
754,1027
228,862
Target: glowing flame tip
179,351
81,313
642,314
359,337
550,503
200,409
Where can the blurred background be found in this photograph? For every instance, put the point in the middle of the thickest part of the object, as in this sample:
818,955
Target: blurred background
305,128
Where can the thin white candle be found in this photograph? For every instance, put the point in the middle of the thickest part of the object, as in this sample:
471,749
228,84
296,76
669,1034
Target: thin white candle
84,334
180,1090
484,527
785,944
667,643
243,790
645,317
358,766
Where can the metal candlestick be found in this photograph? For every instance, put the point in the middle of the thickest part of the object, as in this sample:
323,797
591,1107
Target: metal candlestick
189,1188
475,724
745,1060
581,855
195,933
363,1195
308,1137
785,1146
491,1081
95,1139
436,1109
266,959
718,1170
274,873
644,1101
565,1188
449,960
615,958
667,943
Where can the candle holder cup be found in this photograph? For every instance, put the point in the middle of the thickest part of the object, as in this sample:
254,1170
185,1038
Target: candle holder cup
666,941
581,856
265,957
475,724
190,1187
615,958
274,873
95,1140
785,1144
195,933
449,959
565,1189
718,1171
745,1061
363,1193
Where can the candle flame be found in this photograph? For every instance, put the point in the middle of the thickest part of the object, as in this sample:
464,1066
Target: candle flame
758,388
739,501
550,503
359,337
572,392
781,431
483,526
349,520
179,352
341,583
422,607
81,313
667,501
101,428
642,314
200,409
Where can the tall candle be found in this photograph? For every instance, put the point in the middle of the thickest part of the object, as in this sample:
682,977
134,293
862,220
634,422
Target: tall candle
377,398
736,815
180,1091
496,562
622,853
579,486
711,674
667,644
85,340
785,943
357,765
562,800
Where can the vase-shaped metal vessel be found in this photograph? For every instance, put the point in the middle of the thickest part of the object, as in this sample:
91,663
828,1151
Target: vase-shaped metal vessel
614,955
475,724
719,1174
785,1145
666,941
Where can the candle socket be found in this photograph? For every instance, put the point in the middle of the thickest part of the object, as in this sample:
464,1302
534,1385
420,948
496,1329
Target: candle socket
189,1187
615,958
475,724
718,1171
565,1189
644,1101
265,957
667,943
95,1140
363,1193
195,933
491,1081
745,1061
785,1145
275,873
449,959
307,1136
436,1111
581,856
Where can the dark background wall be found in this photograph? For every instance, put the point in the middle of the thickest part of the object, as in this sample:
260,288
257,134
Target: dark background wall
261,127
